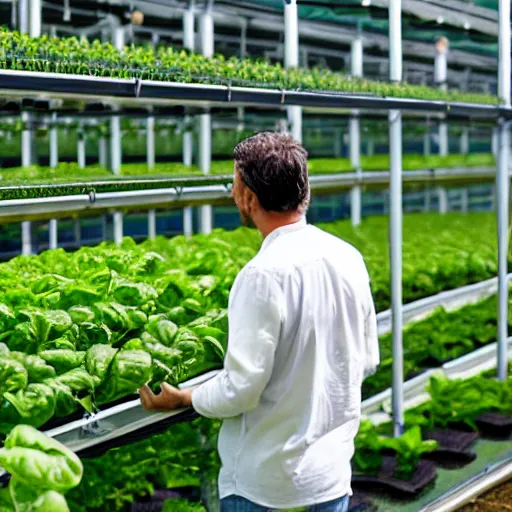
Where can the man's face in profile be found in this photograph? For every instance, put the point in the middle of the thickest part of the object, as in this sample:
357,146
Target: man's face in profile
240,194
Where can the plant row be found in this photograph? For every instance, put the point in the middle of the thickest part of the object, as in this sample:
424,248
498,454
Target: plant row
82,330
454,404
69,172
442,337
71,56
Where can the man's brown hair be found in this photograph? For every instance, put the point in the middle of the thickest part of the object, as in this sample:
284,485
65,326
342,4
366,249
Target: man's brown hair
274,166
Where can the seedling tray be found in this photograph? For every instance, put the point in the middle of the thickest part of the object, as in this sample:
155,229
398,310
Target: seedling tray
424,475
454,447
495,425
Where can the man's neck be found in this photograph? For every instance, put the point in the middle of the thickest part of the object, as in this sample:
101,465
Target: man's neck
273,220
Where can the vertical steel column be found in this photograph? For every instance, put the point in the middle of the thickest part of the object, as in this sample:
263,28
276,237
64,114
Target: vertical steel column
102,152
188,28
151,224
150,141
395,234
427,140
189,43
370,146
495,141
464,200
205,119
54,142
188,228
355,162
440,75
35,18
26,238
52,234
77,231
26,139
205,156
150,158
119,38
115,167
356,63
291,60
81,146
118,227
464,141
115,144
338,142
26,161
23,16
503,186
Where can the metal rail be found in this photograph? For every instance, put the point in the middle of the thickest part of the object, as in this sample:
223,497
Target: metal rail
492,476
23,84
91,201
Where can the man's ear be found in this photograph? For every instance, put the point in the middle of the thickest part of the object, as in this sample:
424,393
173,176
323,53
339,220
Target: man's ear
251,200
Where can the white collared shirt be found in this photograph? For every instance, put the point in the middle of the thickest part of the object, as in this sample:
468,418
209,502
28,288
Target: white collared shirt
302,336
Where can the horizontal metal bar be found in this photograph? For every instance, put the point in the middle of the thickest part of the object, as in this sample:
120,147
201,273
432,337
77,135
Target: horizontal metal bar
449,300
46,85
178,195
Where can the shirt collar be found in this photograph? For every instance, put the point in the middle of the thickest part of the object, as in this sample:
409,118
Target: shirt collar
289,228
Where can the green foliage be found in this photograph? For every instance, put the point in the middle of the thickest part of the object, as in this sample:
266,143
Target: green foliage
441,337
408,449
42,471
170,460
71,56
177,505
461,401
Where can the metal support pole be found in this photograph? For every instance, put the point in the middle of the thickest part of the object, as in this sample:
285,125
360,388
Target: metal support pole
52,234
427,140
115,144
291,60
117,218
356,70
54,142
150,141
464,200
426,199
26,238
443,139
77,231
23,16
102,152
395,227
104,227
188,29
370,146
207,33
119,38
152,224
205,156
338,142
35,18
81,147
503,186
188,228
442,195
26,140
187,143
494,142
355,162
464,141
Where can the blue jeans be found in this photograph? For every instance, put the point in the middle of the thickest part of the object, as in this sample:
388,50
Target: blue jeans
238,504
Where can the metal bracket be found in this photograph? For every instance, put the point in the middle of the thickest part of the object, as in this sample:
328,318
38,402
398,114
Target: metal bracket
229,90
283,96
92,196
138,87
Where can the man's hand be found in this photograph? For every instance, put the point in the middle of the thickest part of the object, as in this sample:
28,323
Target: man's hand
170,398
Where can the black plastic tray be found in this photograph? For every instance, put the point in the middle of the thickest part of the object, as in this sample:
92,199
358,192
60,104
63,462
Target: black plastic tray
454,447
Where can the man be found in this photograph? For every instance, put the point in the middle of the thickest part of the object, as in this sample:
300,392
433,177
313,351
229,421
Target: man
302,336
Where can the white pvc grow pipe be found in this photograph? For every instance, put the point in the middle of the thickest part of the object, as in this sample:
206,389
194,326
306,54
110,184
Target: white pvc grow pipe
503,186
395,239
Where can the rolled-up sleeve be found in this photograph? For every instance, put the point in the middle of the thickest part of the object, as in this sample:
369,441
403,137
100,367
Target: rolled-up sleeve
255,317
